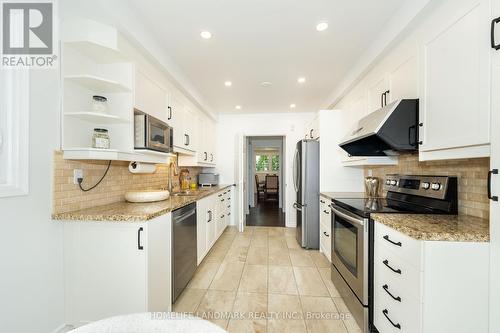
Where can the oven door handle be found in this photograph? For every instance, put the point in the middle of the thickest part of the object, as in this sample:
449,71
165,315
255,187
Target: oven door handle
359,222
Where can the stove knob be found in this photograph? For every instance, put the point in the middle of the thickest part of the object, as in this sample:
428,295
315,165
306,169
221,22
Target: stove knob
436,186
426,185
394,183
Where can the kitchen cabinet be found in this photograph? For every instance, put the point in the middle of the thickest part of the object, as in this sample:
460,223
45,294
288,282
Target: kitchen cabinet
422,286
456,82
213,216
495,178
325,229
312,129
403,80
116,268
184,121
378,94
205,155
150,97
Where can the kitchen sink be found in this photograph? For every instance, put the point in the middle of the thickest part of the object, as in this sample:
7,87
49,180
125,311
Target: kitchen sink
185,194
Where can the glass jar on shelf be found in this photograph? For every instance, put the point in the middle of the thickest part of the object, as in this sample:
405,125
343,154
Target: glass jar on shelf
99,104
100,139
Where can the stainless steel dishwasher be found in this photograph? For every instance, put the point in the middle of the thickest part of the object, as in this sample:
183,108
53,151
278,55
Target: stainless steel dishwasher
184,248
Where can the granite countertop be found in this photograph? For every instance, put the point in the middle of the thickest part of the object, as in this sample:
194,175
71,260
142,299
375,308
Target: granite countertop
343,195
453,228
136,212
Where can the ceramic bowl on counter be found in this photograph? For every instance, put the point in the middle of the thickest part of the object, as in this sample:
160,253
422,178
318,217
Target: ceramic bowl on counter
147,196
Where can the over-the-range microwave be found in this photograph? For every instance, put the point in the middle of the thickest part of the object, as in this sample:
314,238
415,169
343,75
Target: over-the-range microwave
151,133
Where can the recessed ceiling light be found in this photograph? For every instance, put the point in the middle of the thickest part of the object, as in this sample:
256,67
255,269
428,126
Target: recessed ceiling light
265,84
228,83
322,26
206,34
301,80
238,107
292,106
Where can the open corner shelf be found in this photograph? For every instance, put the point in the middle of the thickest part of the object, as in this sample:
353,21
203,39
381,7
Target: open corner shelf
99,84
97,118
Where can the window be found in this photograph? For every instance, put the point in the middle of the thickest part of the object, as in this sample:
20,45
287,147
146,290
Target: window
265,162
261,163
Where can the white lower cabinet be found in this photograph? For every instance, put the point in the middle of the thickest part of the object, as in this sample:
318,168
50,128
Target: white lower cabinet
213,216
429,286
116,268
325,228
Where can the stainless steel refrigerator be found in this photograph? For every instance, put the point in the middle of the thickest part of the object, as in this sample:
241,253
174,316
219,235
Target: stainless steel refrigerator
306,184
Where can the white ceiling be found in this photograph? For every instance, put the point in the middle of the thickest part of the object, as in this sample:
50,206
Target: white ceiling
265,40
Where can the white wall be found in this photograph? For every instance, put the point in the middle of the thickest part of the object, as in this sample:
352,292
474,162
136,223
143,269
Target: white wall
31,257
290,125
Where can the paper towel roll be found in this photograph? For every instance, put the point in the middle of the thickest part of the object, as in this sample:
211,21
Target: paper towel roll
138,167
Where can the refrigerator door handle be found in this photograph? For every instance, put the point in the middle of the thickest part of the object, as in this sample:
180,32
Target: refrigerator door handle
295,170
297,206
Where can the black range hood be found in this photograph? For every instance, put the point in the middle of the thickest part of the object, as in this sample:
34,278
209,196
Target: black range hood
385,132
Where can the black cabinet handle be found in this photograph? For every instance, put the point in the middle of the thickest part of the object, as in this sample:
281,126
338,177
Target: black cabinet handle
220,195
169,113
382,100
326,212
386,288
211,157
386,262
222,216
186,140
189,140
139,245
311,133
206,156
221,200
491,172
386,314
385,97
493,24
324,233
228,214
209,216
386,237
321,201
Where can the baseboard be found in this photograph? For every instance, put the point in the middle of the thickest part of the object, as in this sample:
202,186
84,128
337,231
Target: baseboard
63,329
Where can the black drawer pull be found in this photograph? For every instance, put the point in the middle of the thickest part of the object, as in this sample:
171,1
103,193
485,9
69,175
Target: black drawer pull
139,245
386,237
324,233
493,23
386,288
326,212
321,201
386,262
491,172
222,216
386,314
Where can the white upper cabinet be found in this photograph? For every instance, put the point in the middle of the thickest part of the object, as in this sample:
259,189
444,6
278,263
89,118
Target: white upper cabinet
205,153
312,129
377,94
150,97
456,87
403,80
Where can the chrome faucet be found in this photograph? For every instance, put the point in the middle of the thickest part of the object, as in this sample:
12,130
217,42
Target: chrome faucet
172,171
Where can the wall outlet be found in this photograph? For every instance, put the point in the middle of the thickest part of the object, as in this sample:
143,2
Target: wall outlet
77,173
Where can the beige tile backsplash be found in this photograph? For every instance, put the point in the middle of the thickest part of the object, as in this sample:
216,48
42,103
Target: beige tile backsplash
472,179
68,196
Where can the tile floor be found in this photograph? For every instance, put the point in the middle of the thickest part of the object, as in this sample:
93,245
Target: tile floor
262,281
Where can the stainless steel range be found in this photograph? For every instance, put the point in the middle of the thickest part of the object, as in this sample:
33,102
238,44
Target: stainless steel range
352,228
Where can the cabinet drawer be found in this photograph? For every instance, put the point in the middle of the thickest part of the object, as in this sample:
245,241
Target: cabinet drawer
407,316
405,247
402,307
397,273
325,239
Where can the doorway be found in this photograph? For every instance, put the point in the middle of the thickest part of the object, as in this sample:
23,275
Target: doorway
265,175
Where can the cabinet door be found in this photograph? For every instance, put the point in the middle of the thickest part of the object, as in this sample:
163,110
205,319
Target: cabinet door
159,242
150,97
190,129
375,94
203,144
202,217
210,137
403,80
177,115
105,270
455,104
211,222
495,164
